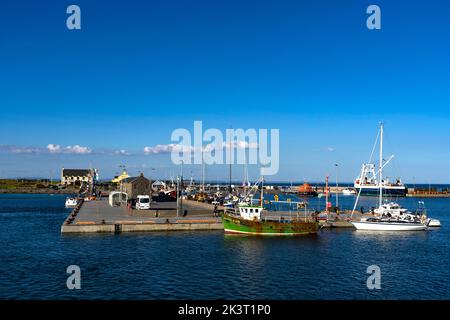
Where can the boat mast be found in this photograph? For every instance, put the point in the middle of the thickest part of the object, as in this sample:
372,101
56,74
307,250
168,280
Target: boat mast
203,172
380,200
262,191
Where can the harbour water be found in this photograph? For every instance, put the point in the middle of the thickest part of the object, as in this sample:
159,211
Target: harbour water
34,256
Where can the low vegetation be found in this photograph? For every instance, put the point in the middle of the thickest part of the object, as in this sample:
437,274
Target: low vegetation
31,186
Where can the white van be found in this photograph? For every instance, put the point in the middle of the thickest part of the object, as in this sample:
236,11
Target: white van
143,202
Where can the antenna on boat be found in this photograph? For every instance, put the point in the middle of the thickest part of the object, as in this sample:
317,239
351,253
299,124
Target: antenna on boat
246,181
380,200
231,149
262,191
203,172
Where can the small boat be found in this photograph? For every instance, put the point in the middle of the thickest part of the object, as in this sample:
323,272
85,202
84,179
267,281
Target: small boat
228,204
432,223
324,194
306,190
71,202
231,201
348,192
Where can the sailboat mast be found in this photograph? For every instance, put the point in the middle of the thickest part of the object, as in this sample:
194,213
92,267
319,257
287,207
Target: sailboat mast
381,166
326,194
229,178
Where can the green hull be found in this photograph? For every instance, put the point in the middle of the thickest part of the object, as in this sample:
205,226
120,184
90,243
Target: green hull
235,225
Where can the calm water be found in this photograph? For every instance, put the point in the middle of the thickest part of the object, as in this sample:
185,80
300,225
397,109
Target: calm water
208,265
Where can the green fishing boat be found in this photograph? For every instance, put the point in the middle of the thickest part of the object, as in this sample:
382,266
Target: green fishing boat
234,224
252,219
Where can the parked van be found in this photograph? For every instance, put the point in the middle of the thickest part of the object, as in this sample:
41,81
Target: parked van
143,202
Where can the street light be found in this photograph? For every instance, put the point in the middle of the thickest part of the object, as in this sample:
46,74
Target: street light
178,196
337,185
122,167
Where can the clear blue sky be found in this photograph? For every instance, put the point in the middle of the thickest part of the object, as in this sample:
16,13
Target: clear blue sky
139,69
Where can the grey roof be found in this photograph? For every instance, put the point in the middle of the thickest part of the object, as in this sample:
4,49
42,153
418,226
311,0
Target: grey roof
131,179
76,172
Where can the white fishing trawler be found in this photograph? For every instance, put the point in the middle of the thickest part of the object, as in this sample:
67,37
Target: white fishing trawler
369,185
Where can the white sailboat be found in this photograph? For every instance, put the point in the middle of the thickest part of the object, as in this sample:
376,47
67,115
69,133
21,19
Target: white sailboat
387,225
389,216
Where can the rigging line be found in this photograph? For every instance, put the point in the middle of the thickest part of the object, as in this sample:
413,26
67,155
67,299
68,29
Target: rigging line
356,202
374,146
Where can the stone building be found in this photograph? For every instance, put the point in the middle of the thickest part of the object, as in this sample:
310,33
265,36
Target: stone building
134,186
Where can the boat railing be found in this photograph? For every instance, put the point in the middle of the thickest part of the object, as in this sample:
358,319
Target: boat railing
288,216
280,218
232,211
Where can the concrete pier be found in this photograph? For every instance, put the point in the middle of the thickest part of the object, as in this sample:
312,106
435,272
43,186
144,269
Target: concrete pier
99,216
343,220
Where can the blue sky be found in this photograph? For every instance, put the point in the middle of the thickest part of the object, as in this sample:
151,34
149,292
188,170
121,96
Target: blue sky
137,70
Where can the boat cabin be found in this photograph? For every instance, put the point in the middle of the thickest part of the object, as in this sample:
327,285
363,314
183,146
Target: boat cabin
250,212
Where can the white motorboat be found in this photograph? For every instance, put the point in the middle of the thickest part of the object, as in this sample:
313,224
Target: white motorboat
432,223
348,192
71,202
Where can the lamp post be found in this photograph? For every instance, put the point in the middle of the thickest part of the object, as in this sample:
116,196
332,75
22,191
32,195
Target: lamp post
337,185
122,168
178,196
